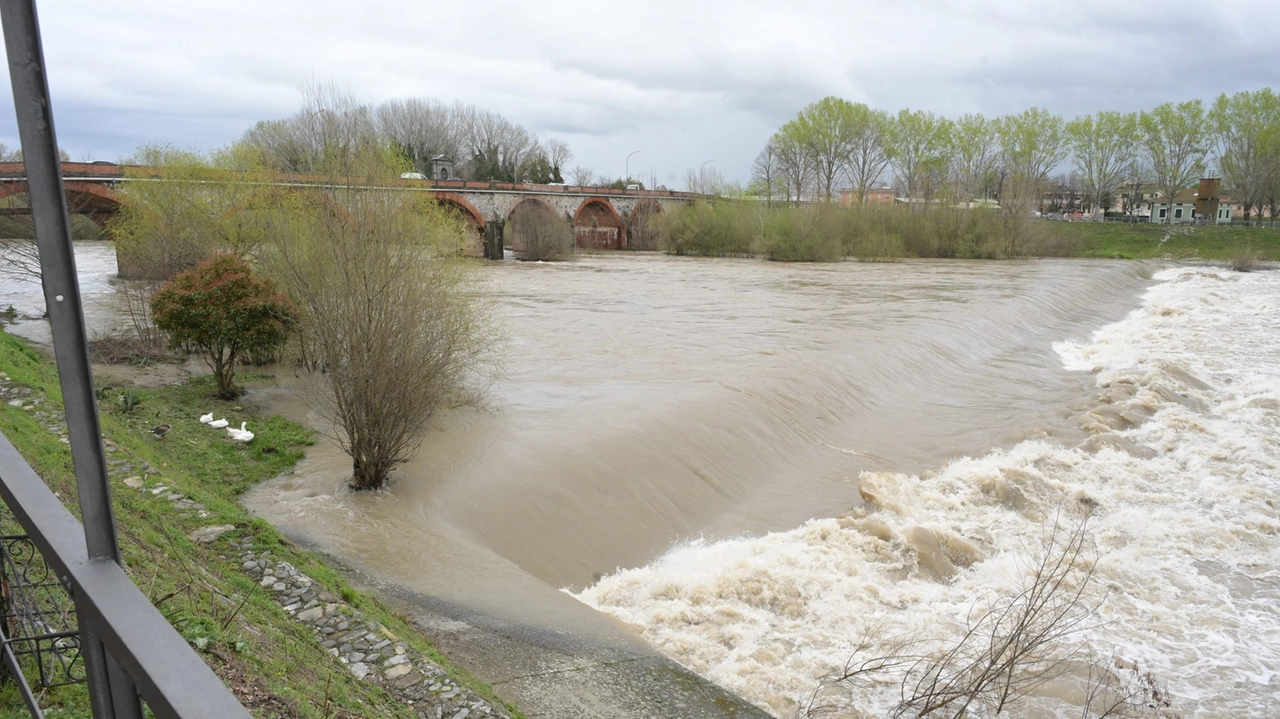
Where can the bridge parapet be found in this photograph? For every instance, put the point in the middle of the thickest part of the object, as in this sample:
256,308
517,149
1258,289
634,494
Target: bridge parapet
595,211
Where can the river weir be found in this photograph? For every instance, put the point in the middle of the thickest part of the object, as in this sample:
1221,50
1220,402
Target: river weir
753,467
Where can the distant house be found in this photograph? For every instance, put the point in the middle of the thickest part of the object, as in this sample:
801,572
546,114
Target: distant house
1064,198
1203,205
875,196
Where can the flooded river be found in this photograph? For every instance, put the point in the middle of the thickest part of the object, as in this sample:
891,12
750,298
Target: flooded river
681,443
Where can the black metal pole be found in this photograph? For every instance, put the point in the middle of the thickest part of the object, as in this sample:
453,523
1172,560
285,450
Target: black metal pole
112,693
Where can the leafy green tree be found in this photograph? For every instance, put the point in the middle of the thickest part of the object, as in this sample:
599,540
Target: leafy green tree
1246,129
869,148
1175,141
223,309
921,150
826,130
176,215
1104,146
975,157
1032,144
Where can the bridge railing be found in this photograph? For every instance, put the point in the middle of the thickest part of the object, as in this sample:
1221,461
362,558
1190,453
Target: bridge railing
41,628
111,172
130,652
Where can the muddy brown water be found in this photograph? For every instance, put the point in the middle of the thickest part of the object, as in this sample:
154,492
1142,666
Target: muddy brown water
647,400
651,399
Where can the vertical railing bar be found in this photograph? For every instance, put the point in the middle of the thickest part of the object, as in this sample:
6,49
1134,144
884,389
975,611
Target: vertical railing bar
15,671
113,694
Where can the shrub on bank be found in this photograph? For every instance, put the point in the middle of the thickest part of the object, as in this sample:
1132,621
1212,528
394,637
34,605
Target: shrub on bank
826,232
807,234
540,233
709,229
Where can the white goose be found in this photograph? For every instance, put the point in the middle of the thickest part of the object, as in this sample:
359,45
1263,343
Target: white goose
219,423
206,418
240,435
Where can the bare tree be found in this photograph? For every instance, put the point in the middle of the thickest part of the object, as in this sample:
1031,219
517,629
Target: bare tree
424,128
1008,648
540,233
766,172
498,146
705,180
794,162
329,130
387,314
558,154
582,175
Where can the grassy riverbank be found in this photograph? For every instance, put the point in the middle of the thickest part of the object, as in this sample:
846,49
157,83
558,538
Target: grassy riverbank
1181,242
275,664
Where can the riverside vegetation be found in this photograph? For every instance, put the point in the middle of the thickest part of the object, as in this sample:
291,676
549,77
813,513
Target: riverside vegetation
828,232
167,495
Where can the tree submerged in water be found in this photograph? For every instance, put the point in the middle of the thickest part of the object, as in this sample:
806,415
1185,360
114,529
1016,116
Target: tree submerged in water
225,311
389,321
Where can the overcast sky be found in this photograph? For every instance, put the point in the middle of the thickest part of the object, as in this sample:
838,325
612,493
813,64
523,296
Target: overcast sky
683,82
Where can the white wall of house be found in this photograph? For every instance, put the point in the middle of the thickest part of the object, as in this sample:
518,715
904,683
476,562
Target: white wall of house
1184,212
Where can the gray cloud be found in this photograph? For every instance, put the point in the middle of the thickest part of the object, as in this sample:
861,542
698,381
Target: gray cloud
683,81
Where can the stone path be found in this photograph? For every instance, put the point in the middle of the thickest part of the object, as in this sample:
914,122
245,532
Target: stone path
367,649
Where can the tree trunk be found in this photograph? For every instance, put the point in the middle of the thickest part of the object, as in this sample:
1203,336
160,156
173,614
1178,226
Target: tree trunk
368,474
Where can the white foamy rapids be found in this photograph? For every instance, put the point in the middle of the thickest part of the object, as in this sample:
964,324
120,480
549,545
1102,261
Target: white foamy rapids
1184,468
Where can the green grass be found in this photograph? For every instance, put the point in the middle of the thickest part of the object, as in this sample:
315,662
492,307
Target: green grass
273,663
1179,242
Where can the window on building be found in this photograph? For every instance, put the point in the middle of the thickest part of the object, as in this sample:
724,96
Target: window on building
1177,214
1163,211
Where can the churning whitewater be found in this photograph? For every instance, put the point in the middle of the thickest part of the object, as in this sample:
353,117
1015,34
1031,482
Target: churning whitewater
1181,468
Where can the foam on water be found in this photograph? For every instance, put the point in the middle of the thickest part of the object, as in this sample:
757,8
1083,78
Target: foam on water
1183,466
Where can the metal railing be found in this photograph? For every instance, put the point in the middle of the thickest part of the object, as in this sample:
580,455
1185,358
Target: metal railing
129,652
111,610
39,631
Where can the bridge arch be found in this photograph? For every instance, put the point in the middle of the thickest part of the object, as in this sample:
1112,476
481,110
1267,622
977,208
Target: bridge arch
95,200
457,205
514,240
642,230
596,225
468,210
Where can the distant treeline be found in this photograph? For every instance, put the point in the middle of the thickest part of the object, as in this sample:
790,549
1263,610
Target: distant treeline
1113,156
480,144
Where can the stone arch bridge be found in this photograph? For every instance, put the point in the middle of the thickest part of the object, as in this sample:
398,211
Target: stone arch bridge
602,217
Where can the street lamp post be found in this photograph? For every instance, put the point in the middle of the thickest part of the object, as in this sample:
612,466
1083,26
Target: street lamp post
626,180
702,178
